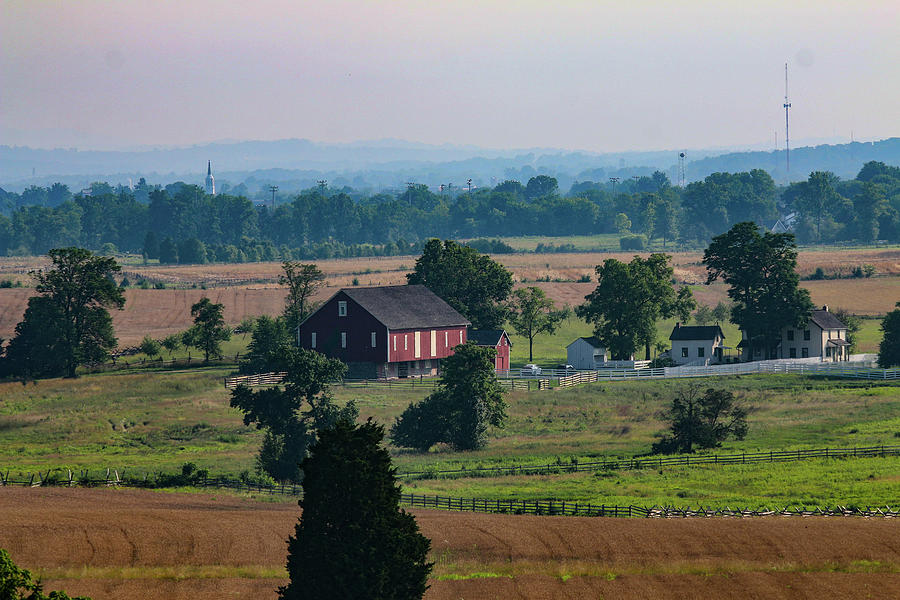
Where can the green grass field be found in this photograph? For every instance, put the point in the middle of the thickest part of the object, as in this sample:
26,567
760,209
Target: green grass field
156,421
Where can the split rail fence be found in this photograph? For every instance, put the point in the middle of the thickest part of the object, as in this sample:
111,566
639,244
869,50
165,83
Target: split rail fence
482,505
583,509
643,462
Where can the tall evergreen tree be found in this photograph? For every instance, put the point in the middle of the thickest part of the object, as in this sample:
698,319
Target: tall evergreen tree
353,541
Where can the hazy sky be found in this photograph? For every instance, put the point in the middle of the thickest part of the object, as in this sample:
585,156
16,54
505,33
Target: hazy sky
594,75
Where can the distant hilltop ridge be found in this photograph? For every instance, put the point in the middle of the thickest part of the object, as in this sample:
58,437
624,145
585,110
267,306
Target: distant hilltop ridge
390,163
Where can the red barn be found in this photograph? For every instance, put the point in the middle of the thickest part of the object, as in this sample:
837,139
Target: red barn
389,331
497,339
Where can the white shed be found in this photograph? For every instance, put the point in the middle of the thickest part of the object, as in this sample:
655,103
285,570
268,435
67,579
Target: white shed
585,353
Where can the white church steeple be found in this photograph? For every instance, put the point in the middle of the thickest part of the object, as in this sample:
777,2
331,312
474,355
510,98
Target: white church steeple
210,180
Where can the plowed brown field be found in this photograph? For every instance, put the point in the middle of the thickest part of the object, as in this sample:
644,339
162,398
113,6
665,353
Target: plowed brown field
129,544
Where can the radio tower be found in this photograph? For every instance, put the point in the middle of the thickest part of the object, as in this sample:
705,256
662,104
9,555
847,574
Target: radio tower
787,134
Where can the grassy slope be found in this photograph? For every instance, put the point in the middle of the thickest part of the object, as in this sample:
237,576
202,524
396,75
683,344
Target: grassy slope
157,421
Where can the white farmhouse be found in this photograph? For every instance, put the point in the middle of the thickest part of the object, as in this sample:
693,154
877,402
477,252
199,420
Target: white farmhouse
697,344
824,337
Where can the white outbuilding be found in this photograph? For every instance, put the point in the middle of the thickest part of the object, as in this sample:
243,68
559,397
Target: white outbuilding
586,353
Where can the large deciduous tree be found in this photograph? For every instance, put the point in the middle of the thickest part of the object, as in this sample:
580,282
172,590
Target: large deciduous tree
628,301
209,329
268,346
302,280
292,415
532,313
760,269
68,324
889,348
702,421
468,400
353,541
470,282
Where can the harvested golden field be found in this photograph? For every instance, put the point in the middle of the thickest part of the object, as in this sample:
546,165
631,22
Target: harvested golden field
158,313
392,269
129,544
251,289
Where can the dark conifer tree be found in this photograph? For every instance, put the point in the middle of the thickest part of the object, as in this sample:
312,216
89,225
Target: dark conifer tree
353,541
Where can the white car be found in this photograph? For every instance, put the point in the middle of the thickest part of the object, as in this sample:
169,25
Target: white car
530,370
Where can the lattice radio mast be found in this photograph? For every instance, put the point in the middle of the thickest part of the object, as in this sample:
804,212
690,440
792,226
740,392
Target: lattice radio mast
787,124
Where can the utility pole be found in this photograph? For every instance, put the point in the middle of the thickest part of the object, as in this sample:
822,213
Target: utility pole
323,183
787,133
614,181
273,189
469,185
409,186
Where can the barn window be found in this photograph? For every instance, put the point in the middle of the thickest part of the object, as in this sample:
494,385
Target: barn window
343,339
460,336
684,353
373,339
701,351
342,308
433,342
804,352
792,353
446,338
395,343
405,342
806,335
312,341
790,335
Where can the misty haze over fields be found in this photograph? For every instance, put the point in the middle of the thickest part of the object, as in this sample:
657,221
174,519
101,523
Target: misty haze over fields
389,164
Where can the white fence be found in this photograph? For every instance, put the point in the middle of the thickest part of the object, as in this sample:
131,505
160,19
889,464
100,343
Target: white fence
862,367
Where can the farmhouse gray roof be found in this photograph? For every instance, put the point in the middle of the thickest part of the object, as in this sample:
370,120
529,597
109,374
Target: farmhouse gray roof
486,337
696,332
406,306
592,340
826,320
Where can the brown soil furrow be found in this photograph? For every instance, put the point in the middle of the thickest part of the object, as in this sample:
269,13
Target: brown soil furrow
548,557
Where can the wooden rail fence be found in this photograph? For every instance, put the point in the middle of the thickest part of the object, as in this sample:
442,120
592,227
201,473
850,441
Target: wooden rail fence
258,379
642,462
507,506
584,509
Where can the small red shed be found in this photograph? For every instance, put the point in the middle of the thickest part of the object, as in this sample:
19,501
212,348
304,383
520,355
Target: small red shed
497,339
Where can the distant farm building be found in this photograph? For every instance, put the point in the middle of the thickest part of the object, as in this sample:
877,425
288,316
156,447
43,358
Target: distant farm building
385,332
497,339
824,338
697,344
586,353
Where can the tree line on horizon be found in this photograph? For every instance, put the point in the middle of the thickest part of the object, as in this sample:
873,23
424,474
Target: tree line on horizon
180,223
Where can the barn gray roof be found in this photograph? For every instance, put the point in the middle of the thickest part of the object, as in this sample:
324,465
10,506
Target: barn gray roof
406,306
486,337
826,320
696,332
